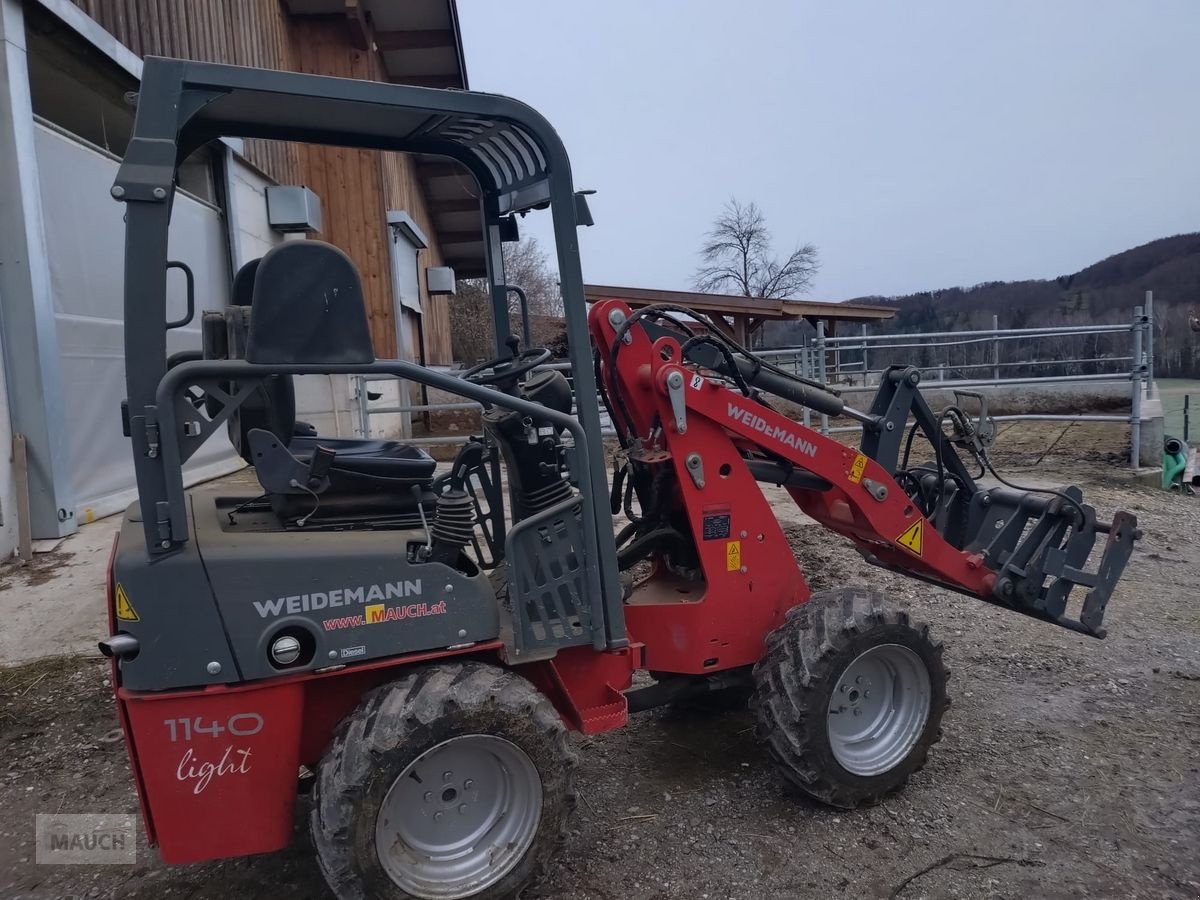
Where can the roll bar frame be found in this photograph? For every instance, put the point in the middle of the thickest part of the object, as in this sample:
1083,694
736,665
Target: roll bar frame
512,152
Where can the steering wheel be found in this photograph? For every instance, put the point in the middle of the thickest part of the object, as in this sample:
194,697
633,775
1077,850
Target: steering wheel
506,368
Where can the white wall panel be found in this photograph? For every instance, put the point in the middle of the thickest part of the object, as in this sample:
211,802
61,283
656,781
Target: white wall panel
85,239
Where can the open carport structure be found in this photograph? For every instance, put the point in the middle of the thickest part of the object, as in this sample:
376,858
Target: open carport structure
745,315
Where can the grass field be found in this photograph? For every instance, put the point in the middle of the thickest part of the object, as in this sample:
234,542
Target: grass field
1173,391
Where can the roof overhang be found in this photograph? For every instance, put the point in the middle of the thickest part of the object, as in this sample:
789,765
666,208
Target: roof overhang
419,43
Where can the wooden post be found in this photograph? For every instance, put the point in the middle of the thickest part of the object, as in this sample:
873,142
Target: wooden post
741,333
21,482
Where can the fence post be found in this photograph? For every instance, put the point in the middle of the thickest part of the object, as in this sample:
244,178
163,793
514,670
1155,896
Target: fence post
1135,376
1186,423
821,368
806,372
995,347
1150,389
864,335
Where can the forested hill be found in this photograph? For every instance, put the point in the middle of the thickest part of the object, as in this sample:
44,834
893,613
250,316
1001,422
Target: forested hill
1104,292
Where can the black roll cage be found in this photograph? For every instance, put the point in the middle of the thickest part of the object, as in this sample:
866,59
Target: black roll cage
515,157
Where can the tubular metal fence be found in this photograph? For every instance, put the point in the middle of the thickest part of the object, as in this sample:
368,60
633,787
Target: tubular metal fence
998,357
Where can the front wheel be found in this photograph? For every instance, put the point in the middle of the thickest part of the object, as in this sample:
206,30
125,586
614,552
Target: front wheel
849,696
453,782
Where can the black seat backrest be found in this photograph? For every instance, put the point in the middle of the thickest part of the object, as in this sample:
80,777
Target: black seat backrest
308,307
243,284
272,407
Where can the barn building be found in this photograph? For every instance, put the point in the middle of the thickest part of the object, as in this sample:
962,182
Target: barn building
69,72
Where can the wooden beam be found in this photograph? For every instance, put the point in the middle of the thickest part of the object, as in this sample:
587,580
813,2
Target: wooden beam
361,36
453,204
741,333
446,80
420,39
20,470
460,237
723,325
725,304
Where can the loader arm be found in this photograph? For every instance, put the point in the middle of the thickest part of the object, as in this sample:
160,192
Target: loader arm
705,413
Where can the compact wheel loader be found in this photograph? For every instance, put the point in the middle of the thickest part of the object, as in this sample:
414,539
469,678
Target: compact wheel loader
417,646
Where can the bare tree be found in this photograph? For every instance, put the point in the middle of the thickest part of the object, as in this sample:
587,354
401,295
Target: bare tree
737,258
525,265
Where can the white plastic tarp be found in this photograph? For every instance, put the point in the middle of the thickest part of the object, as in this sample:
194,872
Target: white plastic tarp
85,242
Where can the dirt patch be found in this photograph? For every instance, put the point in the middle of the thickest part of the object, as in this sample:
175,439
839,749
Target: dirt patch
40,570
1069,767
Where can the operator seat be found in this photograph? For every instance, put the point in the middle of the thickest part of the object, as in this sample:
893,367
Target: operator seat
306,306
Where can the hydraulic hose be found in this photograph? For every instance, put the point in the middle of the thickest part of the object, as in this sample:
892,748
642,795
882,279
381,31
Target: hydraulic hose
703,350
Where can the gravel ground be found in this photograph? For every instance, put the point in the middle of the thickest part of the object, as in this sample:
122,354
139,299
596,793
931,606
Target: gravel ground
1069,767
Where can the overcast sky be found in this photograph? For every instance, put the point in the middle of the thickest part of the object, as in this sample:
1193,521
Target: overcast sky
918,144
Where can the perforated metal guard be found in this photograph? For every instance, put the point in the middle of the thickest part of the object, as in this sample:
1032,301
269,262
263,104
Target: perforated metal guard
550,608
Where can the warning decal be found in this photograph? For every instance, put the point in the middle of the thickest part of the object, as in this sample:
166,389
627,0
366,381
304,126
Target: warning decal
857,468
733,556
913,537
125,610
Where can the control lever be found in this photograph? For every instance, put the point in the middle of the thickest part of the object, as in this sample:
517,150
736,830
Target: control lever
319,465
416,492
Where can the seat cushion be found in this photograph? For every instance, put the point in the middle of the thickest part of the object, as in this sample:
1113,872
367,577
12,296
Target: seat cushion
359,465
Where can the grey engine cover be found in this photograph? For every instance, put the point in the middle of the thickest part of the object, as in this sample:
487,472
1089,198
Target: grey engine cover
353,592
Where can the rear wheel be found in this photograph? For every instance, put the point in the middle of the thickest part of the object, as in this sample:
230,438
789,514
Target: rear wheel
849,696
452,782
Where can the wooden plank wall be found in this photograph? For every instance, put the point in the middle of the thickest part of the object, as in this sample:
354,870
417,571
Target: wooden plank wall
350,182
242,32
356,187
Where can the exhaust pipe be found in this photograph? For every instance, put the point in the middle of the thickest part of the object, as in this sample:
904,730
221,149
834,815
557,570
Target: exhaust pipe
120,646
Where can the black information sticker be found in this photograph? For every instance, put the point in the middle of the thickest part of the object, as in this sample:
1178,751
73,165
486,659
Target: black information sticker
716,527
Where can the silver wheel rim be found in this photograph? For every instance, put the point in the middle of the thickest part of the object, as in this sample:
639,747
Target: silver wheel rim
878,709
459,817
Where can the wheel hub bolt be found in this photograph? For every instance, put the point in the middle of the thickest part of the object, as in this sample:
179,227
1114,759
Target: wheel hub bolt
428,796
446,776
463,809
437,816
468,784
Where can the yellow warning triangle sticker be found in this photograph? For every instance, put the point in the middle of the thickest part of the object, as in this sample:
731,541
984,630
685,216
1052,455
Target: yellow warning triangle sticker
125,609
913,537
